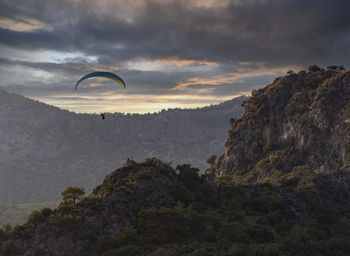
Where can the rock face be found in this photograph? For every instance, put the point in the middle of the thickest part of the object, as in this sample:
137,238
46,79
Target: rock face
300,119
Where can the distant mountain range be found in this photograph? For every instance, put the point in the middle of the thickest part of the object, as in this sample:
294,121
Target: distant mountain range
44,149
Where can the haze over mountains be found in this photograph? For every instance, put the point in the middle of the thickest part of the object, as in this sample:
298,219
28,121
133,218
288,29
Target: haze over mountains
44,149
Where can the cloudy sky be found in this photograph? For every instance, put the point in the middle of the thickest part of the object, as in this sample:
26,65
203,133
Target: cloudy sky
171,53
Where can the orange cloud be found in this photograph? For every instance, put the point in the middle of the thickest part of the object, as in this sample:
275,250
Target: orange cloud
28,25
136,103
181,62
235,77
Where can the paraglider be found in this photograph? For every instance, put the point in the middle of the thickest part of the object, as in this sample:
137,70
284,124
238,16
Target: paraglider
102,74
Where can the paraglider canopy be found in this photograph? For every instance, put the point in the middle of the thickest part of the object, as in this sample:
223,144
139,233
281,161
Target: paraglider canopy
102,74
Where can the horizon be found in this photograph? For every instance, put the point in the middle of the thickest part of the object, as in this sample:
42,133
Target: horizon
199,53
132,113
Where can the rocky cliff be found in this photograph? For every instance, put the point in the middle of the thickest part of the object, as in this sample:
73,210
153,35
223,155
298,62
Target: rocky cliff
300,119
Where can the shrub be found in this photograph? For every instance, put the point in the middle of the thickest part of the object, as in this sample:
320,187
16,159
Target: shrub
127,237
71,195
224,181
266,250
36,217
65,220
234,232
129,162
209,234
7,228
160,252
123,251
2,234
314,68
158,164
139,176
269,146
238,250
275,179
22,232
162,225
304,172
211,160
201,252
232,122
188,175
9,248
46,212
260,234
182,194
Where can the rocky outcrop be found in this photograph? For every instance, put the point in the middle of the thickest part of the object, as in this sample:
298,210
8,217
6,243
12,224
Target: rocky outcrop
75,229
300,119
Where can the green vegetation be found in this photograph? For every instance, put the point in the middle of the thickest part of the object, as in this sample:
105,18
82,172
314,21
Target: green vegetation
287,213
67,221
314,68
237,226
188,175
71,195
145,173
230,218
211,160
7,228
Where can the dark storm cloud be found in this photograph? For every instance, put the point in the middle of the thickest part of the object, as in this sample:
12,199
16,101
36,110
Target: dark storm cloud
143,82
275,32
231,47
67,68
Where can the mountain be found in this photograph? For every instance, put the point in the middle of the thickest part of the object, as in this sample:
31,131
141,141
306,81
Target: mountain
292,200
300,119
44,149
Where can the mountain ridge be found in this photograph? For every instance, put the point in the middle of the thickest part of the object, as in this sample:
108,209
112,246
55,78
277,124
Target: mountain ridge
44,149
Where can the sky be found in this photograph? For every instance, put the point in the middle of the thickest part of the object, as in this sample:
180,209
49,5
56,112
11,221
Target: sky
171,53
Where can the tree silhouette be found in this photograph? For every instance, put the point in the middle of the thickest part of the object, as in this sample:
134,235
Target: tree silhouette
72,194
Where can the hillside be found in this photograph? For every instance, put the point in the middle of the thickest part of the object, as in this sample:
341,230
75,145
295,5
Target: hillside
292,200
44,149
148,208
